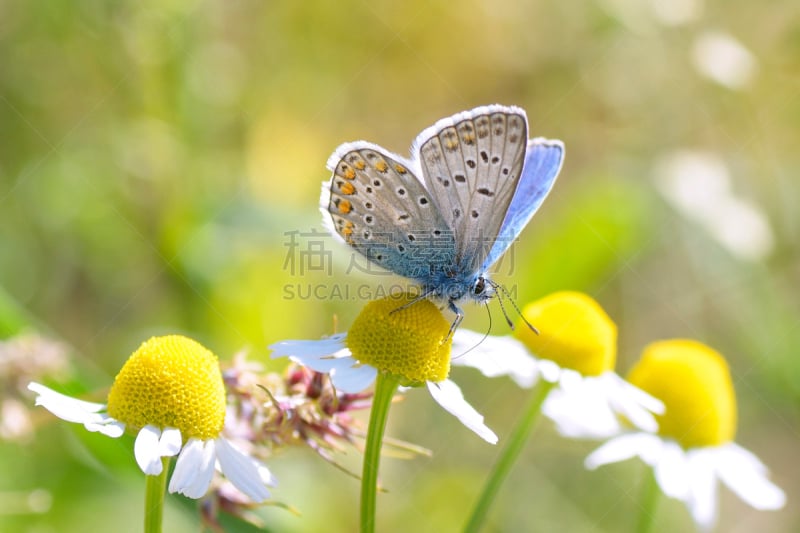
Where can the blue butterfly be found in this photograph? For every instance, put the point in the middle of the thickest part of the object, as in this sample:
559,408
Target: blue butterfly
445,216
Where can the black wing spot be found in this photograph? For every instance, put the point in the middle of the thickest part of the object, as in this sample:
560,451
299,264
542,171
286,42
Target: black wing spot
377,183
471,163
401,191
474,214
367,234
368,205
404,216
495,160
369,219
484,191
505,171
411,237
456,213
437,232
422,200
484,156
369,189
401,248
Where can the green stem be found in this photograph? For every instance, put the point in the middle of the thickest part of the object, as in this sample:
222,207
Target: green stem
648,503
513,447
154,498
385,387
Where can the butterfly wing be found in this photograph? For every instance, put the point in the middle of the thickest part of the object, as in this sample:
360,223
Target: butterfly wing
471,163
376,203
542,163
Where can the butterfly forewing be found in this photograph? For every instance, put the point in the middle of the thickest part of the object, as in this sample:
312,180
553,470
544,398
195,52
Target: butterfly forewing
472,163
380,208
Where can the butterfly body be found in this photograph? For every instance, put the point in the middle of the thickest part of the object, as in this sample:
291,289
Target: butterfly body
447,214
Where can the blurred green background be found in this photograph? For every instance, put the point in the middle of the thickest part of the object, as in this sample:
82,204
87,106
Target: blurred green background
156,157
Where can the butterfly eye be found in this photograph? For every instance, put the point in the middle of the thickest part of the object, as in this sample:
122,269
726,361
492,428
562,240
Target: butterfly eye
480,286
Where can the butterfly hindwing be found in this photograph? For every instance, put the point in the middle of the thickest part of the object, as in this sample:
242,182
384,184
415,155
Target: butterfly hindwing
379,207
472,163
543,159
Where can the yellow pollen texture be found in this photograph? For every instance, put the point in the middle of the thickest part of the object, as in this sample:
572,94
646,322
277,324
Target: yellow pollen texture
574,331
170,381
407,343
695,385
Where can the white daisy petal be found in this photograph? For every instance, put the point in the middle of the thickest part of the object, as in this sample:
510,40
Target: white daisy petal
494,356
68,408
624,447
569,379
637,395
630,402
549,370
170,442
579,412
319,355
702,500
266,476
194,469
145,449
353,378
245,473
108,427
746,476
672,470
449,396
73,410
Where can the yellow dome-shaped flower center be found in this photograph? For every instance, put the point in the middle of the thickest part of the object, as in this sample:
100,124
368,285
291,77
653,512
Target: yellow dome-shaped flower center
695,385
170,381
404,342
574,331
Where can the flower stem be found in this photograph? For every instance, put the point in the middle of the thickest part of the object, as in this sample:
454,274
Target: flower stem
648,503
154,498
513,447
385,387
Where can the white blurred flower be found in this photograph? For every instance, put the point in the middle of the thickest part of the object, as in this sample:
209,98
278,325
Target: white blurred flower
721,58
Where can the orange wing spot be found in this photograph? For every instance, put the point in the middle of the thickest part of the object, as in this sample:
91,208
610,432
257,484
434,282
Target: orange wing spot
348,173
360,165
347,232
345,206
347,188
400,169
451,144
469,138
381,166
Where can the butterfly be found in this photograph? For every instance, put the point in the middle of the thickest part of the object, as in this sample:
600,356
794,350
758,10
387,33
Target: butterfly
447,214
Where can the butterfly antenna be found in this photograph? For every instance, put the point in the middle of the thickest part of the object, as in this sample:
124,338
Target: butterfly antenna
514,305
496,286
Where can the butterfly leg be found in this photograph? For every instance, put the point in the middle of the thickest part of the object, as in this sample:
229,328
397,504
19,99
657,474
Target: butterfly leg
412,302
456,321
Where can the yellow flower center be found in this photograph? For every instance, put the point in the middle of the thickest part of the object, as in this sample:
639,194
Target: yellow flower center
695,385
170,381
574,332
404,342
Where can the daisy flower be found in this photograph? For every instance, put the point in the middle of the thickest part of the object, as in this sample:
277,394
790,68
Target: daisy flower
575,351
171,395
572,358
693,448
410,343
